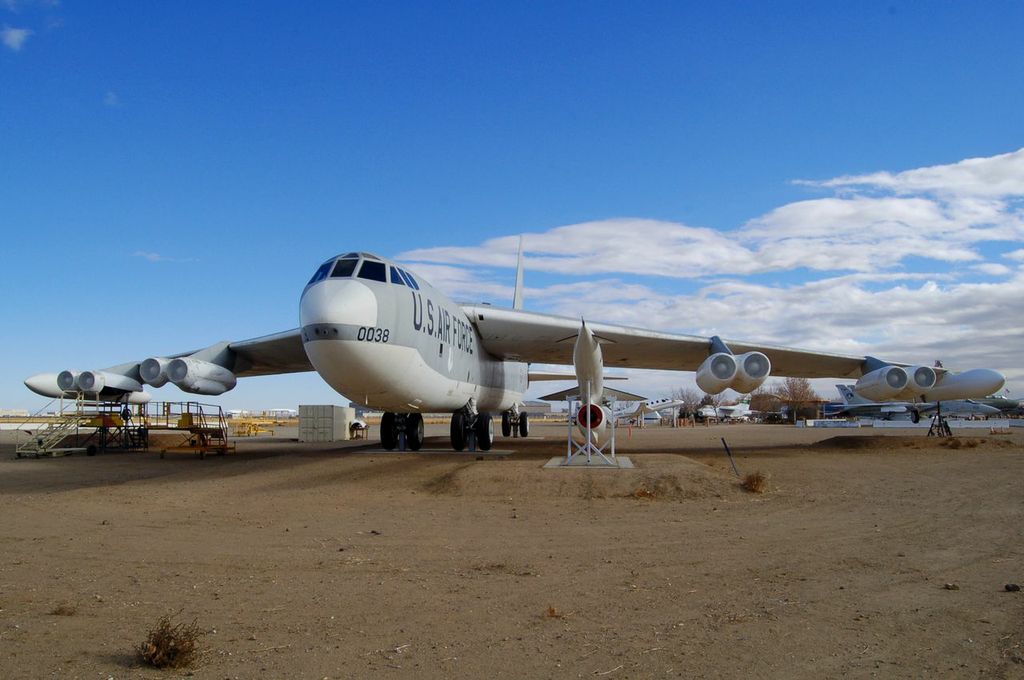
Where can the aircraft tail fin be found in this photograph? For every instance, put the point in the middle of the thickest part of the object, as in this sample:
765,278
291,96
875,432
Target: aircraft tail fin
849,396
517,296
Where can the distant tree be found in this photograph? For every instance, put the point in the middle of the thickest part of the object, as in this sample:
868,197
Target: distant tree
796,393
711,400
689,396
764,400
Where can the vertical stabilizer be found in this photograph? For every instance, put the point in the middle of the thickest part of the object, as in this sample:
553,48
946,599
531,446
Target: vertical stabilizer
850,397
517,297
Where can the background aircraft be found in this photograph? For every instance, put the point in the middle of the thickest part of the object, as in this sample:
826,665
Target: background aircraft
387,339
738,411
855,405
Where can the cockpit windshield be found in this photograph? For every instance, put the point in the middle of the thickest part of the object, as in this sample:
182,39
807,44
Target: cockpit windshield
344,268
321,273
371,268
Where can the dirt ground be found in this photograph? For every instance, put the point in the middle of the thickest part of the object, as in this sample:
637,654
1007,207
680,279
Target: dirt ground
338,561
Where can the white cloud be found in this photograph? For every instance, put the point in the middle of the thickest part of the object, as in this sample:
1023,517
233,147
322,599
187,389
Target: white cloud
14,38
1001,175
851,232
157,257
993,269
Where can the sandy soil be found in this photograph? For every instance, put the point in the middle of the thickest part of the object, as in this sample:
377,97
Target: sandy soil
326,561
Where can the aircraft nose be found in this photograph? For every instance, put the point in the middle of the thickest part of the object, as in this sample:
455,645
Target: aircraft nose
344,302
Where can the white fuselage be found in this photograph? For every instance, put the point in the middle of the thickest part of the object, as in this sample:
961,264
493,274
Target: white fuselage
394,348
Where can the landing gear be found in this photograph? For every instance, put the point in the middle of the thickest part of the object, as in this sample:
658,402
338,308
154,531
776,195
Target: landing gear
458,431
393,426
484,430
472,429
514,423
414,431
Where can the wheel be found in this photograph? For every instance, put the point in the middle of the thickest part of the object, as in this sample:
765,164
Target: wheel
524,425
414,431
915,415
484,431
388,431
458,431
90,450
506,424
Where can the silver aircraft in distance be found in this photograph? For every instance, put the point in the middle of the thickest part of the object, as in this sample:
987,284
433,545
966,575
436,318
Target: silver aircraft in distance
387,339
855,405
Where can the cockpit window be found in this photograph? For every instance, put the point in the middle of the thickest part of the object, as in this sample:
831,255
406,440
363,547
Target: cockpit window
396,277
373,271
344,268
409,280
321,273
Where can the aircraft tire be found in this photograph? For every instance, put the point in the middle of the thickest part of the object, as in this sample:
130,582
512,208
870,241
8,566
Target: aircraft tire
524,424
484,431
506,424
388,431
414,431
915,415
458,431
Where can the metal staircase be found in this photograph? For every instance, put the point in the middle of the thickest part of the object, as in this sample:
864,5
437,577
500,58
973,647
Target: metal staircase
46,441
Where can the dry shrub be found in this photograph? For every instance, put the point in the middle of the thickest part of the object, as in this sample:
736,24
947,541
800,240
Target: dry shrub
553,613
64,610
643,492
755,482
171,645
955,443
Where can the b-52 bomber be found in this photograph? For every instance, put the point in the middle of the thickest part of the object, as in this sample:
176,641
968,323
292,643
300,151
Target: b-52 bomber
385,338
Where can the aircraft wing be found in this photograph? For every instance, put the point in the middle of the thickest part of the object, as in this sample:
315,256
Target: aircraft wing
532,337
213,369
574,393
270,354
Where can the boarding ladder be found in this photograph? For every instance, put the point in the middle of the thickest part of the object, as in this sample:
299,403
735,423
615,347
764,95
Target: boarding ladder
46,440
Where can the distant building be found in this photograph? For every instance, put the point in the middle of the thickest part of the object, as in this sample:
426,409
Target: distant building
13,413
538,408
281,413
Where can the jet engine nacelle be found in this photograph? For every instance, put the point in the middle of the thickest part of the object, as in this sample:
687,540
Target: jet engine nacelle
920,380
882,384
154,371
752,369
200,377
49,385
95,381
595,419
973,384
717,373
67,381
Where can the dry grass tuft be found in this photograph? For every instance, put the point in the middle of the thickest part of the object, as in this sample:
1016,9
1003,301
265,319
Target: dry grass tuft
553,613
755,482
64,610
643,492
171,645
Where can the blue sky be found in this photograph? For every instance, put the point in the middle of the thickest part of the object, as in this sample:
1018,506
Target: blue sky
171,173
